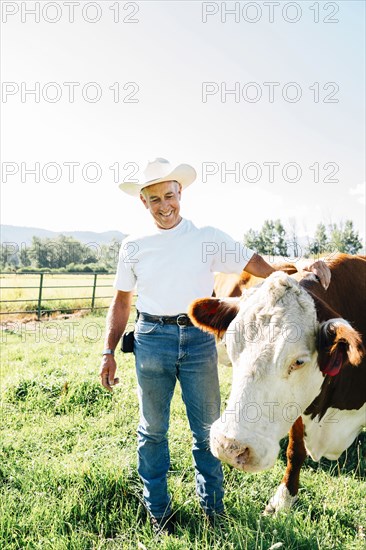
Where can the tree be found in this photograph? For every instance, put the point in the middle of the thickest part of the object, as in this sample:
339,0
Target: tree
9,255
272,239
345,239
293,247
251,239
320,242
337,238
25,260
38,253
280,239
109,254
352,242
60,252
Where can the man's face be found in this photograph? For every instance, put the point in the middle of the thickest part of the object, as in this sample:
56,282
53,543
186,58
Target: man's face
163,201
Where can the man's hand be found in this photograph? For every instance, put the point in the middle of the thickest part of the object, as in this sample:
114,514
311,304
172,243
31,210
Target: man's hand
321,270
107,372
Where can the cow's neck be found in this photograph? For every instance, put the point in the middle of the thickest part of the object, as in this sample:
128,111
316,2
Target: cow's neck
347,390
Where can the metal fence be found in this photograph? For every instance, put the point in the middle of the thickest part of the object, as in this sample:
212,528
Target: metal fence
42,285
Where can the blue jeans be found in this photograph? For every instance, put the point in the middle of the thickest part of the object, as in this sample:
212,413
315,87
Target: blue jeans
165,354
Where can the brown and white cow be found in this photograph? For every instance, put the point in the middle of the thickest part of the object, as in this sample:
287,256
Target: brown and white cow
297,353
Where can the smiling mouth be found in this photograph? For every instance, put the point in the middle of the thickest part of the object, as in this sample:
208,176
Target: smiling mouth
167,215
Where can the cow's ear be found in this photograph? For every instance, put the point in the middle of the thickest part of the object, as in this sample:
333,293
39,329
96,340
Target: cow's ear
213,314
338,344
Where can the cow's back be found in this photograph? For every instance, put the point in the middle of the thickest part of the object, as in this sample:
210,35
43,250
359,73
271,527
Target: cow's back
231,285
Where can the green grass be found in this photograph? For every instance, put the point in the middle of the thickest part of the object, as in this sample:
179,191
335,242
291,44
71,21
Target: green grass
68,462
76,292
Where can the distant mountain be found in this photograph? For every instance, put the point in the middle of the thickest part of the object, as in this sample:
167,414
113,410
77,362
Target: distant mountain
17,234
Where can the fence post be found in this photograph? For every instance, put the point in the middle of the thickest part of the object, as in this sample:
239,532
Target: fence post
94,288
40,296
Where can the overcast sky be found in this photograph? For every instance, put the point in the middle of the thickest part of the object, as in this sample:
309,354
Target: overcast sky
153,79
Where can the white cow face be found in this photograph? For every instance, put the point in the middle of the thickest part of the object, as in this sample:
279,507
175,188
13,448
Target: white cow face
271,340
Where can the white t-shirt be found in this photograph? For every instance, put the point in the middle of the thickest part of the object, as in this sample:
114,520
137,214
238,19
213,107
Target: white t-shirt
173,267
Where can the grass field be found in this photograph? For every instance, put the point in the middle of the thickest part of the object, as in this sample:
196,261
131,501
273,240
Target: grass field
68,462
76,292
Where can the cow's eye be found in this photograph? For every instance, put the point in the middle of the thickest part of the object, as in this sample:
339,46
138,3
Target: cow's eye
296,365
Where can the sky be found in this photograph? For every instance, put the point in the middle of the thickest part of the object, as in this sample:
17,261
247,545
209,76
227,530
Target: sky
264,99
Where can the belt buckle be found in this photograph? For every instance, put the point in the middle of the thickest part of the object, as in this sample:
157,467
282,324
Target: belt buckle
184,319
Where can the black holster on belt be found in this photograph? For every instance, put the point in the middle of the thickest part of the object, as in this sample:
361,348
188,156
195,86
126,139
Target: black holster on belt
127,342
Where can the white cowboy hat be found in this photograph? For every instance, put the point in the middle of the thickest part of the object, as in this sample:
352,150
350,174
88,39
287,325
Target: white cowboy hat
160,170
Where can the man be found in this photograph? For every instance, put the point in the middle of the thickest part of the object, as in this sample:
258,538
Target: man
171,266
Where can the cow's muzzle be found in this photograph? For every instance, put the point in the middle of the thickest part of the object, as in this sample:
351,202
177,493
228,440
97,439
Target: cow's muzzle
253,455
229,450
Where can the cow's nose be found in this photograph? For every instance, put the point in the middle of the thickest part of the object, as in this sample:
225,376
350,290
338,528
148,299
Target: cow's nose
229,450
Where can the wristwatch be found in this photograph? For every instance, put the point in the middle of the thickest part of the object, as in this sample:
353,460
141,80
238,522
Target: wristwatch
108,352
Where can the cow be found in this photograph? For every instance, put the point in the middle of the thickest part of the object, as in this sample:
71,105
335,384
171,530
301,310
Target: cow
298,356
